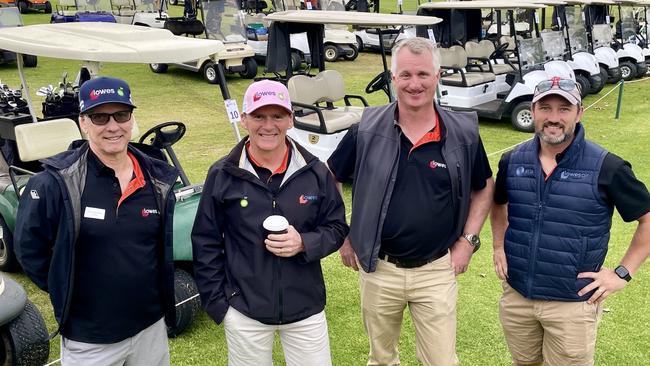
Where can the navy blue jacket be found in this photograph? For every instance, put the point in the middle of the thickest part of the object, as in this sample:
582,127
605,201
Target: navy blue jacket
48,222
231,263
559,227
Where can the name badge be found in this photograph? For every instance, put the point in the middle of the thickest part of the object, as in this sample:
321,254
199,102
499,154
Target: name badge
94,213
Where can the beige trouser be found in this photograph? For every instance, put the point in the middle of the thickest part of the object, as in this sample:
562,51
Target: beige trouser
430,292
557,333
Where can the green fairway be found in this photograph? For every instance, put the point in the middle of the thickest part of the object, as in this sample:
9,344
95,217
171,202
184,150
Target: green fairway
179,95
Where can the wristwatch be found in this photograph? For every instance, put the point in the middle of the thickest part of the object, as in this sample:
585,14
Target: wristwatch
623,273
473,240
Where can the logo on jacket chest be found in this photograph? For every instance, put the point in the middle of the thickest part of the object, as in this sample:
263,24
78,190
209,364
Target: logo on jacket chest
523,171
306,199
434,164
149,211
573,175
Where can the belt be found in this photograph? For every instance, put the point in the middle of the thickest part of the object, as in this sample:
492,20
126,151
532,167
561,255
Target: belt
410,263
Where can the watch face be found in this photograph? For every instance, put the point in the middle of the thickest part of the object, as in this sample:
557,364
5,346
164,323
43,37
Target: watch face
622,272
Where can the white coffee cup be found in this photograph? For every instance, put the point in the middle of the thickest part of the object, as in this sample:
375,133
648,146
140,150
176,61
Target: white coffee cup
275,224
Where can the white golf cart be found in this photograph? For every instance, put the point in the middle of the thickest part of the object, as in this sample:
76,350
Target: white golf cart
319,124
93,44
569,28
642,36
150,13
221,21
489,75
10,17
82,11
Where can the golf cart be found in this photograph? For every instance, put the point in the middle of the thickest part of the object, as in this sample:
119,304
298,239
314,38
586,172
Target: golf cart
23,334
630,56
149,13
642,35
10,17
319,124
222,22
93,44
478,72
567,24
83,11
26,5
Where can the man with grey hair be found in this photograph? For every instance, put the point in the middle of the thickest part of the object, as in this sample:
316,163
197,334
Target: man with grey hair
422,188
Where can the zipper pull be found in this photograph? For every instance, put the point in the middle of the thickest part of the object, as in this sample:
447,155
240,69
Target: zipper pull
273,203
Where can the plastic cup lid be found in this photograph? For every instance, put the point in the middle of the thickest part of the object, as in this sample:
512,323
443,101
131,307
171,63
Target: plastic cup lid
275,223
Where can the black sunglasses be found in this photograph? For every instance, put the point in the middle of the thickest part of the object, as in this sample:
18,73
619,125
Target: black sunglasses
101,119
564,84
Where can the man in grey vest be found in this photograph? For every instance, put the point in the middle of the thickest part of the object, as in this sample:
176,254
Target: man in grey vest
551,219
422,188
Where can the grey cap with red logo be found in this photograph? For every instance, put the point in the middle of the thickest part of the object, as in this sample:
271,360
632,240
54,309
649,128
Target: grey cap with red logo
266,92
103,90
572,96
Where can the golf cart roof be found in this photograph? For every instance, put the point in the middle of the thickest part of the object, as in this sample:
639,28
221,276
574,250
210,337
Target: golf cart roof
602,2
481,4
626,2
105,42
350,17
546,2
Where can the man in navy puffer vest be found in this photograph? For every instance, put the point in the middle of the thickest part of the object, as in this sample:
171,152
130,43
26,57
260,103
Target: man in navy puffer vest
554,200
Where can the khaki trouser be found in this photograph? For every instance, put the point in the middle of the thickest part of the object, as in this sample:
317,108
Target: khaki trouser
430,292
557,333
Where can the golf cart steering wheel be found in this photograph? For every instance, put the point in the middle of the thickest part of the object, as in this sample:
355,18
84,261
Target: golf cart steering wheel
498,52
163,135
379,82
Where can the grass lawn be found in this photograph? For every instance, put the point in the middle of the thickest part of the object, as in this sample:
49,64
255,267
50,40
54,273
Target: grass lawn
624,337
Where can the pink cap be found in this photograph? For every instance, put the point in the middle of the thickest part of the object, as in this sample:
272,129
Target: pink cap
266,92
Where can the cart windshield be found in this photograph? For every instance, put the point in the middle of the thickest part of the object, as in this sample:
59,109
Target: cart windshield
224,21
553,44
602,35
10,17
150,6
531,52
94,5
577,31
628,23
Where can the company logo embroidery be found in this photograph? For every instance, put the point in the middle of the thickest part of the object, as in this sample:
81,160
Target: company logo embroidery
305,199
521,171
34,194
257,96
281,96
120,91
573,175
96,93
149,211
434,164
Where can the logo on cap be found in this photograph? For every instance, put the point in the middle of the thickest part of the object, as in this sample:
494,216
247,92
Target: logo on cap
120,91
96,93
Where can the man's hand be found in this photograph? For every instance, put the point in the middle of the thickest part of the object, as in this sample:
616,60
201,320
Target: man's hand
285,245
500,264
606,282
348,257
461,253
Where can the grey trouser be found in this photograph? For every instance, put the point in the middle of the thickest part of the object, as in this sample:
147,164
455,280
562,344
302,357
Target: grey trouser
149,347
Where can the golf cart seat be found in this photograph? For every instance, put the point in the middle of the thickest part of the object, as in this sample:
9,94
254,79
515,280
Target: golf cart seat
67,8
123,7
481,51
42,140
454,60
326,87
511,50
180,26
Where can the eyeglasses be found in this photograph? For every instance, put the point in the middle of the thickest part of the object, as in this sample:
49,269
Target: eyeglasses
564,84
101,119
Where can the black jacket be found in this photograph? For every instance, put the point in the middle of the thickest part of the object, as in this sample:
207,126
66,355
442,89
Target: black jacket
49,217
231,264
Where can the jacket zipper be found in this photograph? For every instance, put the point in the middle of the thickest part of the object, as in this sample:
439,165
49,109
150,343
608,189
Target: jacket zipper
278,273
539,218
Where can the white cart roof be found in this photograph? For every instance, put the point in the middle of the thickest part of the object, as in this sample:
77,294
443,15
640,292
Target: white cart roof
481,4
105,42
350,17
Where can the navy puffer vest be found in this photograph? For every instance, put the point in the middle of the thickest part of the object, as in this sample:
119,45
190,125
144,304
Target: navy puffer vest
559,228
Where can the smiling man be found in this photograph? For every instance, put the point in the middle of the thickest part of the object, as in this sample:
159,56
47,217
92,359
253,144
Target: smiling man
551,219
259,283
422,189
95,232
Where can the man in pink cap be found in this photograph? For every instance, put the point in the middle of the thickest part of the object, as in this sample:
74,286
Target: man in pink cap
256,282
551,219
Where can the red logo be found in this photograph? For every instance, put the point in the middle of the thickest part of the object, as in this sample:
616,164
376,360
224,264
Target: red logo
93,95
302,200
256,97
149,211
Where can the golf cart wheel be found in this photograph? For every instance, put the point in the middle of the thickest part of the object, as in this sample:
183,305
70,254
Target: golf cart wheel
30,61
250,68
48,7
22,6
158,68
8,261
641,71
296,61
173,2
359,44
210,72
584,85
184,288
604,75
24,341
352,54
522,118
595,89
628,70
331,53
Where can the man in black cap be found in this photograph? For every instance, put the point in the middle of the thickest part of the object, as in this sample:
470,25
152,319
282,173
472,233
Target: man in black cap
551,219
95,232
